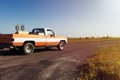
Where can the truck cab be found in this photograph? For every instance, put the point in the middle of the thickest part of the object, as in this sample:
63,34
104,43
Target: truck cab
43,31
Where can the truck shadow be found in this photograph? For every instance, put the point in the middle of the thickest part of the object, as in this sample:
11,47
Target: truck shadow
5,52
45,50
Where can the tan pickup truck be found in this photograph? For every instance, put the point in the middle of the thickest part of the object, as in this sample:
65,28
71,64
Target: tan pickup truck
28,41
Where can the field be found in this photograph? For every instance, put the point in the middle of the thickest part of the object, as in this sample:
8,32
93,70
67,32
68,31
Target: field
52,64
92,39
104,65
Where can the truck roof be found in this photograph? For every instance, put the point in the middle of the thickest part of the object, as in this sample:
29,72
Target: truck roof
42,28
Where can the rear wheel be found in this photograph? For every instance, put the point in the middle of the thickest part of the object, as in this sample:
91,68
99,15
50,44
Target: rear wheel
28,48
61,45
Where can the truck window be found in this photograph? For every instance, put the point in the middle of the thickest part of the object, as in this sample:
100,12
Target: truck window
36,31
50,32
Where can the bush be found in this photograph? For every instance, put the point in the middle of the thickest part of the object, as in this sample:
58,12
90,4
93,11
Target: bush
105,65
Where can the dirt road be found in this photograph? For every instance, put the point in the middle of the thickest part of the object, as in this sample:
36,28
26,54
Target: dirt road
50,64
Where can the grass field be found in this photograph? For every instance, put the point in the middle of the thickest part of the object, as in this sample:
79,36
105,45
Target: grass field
91,39
105,65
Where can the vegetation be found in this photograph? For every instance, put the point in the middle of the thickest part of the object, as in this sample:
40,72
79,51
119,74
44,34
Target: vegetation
89,39
105,65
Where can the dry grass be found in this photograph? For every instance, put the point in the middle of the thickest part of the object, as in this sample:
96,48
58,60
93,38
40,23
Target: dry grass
105,65
87,39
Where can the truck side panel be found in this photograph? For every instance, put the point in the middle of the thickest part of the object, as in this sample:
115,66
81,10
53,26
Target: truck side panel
19,39
54,40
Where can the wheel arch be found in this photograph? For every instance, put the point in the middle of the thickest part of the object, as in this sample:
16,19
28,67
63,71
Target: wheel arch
33,42
63,41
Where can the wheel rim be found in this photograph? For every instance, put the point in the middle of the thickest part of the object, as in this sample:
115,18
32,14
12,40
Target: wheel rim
62,45
29,49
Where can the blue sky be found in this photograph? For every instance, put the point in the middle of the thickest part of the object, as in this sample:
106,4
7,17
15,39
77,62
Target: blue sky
72,18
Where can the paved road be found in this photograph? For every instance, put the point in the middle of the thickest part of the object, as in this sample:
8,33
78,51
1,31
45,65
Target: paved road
48,65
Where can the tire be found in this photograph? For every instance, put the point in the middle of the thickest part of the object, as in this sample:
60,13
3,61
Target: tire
61,45
28,48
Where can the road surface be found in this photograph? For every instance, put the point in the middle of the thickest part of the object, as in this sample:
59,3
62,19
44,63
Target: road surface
48,65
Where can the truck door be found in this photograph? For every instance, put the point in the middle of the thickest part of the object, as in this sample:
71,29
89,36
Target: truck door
40,37
51,38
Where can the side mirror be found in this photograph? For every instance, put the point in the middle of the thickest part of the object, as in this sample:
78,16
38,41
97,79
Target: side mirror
52,35
30,32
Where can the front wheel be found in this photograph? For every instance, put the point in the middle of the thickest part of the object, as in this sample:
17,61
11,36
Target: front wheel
61,45
28,48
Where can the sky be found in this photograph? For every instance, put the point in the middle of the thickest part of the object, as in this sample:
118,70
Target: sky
72,18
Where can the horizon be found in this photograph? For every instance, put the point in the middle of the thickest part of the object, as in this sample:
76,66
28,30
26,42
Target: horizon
72,18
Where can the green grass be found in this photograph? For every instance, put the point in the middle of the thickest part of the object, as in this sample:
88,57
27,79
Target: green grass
105,65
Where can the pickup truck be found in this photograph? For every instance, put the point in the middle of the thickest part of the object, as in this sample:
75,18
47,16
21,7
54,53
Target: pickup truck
28,41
